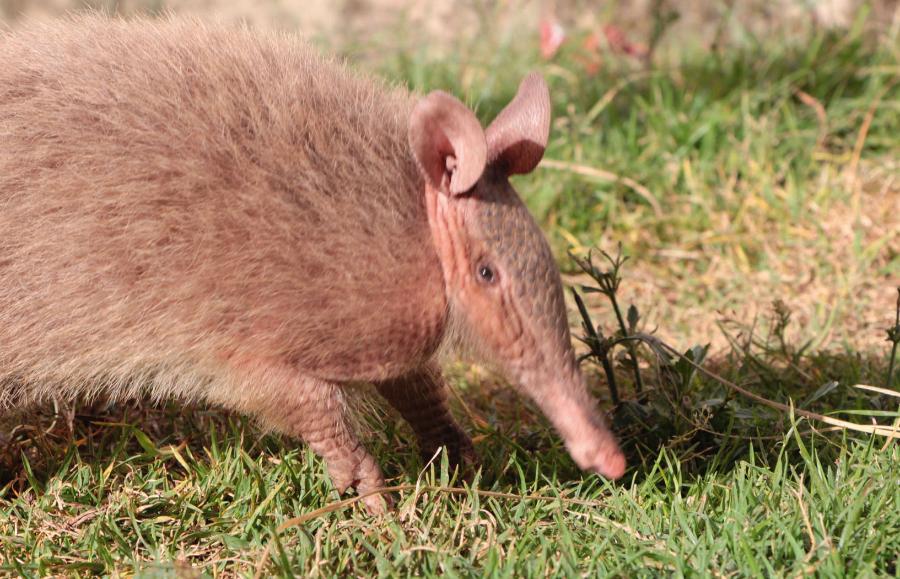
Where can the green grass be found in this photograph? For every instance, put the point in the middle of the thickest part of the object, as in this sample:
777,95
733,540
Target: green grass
771,171
199,488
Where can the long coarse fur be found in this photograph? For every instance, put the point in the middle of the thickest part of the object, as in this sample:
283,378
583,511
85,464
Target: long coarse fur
179,199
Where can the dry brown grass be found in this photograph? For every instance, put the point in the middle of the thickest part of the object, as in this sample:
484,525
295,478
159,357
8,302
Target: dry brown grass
814,268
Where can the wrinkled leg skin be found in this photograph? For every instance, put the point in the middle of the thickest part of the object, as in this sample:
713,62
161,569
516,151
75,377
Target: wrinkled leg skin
421,399
315,411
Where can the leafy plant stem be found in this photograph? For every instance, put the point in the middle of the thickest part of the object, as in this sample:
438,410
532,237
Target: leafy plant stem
638,382
893,337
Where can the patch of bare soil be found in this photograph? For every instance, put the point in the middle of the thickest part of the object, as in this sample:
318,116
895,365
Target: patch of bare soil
838,276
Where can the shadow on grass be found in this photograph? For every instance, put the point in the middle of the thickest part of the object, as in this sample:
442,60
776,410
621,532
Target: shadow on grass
699,424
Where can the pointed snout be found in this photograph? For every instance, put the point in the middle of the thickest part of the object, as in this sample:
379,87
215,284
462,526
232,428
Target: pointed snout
575,415
591,444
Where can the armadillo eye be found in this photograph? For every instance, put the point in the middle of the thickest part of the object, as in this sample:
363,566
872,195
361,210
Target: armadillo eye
486,274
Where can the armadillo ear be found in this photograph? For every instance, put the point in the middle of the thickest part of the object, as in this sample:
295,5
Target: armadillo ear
447,142
518,136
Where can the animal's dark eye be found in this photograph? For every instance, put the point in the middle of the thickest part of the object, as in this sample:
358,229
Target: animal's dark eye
486,274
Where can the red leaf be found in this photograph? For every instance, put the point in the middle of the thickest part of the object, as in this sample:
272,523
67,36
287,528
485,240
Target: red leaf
552,37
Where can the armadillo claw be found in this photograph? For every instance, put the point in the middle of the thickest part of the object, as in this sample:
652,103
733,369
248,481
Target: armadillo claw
359,470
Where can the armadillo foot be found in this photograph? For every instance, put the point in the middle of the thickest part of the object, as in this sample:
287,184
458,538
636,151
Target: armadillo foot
461,453
357,469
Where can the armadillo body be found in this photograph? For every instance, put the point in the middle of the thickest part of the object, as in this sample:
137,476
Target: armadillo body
215,214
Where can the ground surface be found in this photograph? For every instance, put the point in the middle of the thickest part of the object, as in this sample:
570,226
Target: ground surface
737,173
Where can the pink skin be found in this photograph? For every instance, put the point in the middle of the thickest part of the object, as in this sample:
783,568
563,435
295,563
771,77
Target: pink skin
502,283
273,229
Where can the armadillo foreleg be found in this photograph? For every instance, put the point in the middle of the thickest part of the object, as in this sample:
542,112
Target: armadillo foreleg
316,411
421,399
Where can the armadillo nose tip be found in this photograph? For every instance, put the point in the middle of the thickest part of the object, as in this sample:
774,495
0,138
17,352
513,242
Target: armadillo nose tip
605,459
612,465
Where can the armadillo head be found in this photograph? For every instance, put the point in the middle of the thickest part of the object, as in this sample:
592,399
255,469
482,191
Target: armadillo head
502,282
